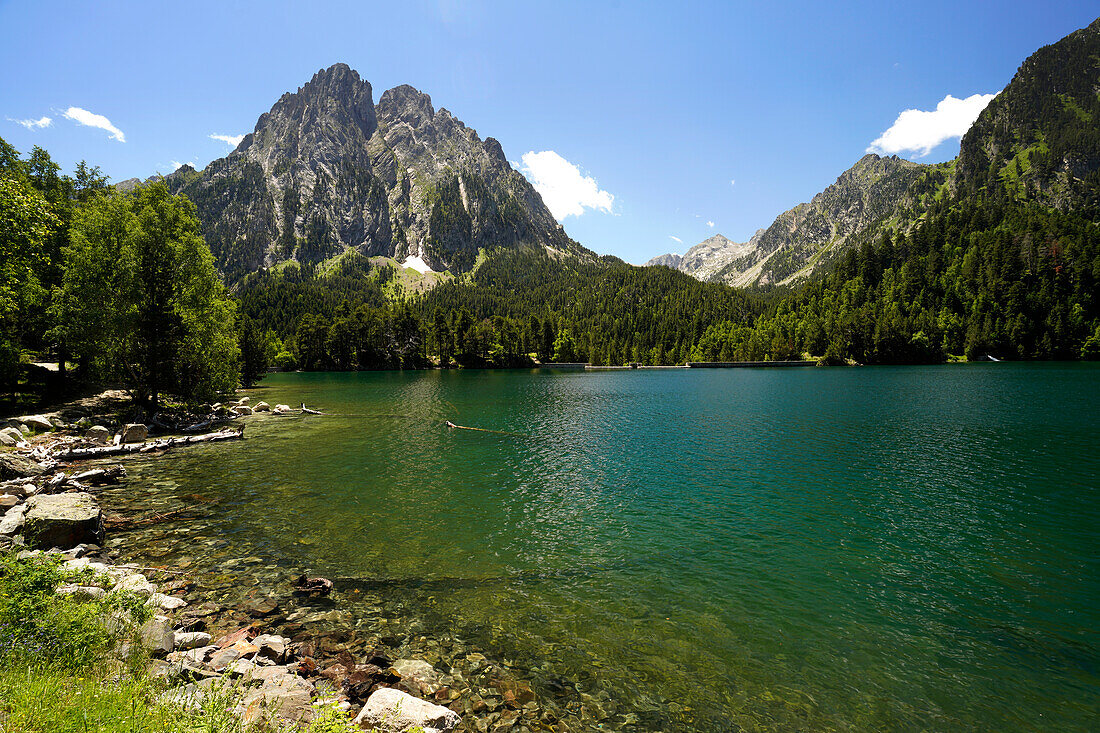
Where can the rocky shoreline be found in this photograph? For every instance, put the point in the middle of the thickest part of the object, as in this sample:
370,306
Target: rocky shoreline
284,650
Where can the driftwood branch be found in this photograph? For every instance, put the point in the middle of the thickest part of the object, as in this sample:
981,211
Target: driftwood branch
63,453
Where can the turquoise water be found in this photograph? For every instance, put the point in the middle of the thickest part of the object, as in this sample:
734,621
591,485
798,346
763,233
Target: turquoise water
856,549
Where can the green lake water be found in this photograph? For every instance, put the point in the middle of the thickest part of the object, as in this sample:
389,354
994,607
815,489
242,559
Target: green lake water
908,548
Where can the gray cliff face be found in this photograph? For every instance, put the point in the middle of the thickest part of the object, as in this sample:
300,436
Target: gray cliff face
326,170
810,234
670,260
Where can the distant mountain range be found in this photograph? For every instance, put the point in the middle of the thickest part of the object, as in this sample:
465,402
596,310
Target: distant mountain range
809,235
1038,139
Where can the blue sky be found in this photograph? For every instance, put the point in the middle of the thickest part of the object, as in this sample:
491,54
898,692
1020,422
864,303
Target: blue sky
690,118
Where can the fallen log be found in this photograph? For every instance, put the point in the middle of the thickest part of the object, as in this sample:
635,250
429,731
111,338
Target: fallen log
149,445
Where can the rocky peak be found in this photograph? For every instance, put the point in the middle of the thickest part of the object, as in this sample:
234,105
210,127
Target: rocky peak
327,170
406,104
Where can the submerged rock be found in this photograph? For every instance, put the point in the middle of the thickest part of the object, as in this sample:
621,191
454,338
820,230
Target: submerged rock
62,520
393,711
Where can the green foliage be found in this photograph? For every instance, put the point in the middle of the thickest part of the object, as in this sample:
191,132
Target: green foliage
1013,280
331,719
26,223
257,351
141,300
40,627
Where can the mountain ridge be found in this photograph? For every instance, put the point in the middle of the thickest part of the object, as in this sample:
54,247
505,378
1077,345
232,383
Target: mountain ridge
327,169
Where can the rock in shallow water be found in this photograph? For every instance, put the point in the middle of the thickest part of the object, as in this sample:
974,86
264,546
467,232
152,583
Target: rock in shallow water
393,711
62,520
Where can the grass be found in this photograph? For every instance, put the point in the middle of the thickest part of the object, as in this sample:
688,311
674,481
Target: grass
64,668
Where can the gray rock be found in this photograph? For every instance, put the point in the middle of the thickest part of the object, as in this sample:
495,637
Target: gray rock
7,501
262,407
81,592
10,436
134,433
38,423
241,410
164,602
393,711
403,146
224,658
271,646
188,697
244,400
13,467
191,639
157,635
98,434
62,520
193,656
137,584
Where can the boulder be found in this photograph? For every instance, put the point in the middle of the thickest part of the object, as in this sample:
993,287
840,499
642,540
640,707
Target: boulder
37,423
7,501
157,635
134,433
137,584
10,436
271,646
62,520
262,407
12,467
244,400
191,639
290,703
165,602
98,434
281,409
12,522
81,592
241,410
393,711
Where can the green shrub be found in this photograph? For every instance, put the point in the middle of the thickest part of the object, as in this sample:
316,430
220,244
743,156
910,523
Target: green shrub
40,627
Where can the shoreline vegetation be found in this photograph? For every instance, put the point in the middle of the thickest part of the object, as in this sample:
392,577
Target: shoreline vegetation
125,653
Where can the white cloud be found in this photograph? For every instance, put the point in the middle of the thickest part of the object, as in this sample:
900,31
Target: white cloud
230,140
733,182
90,119
564,190
710,224
920,131
675,239
31,124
